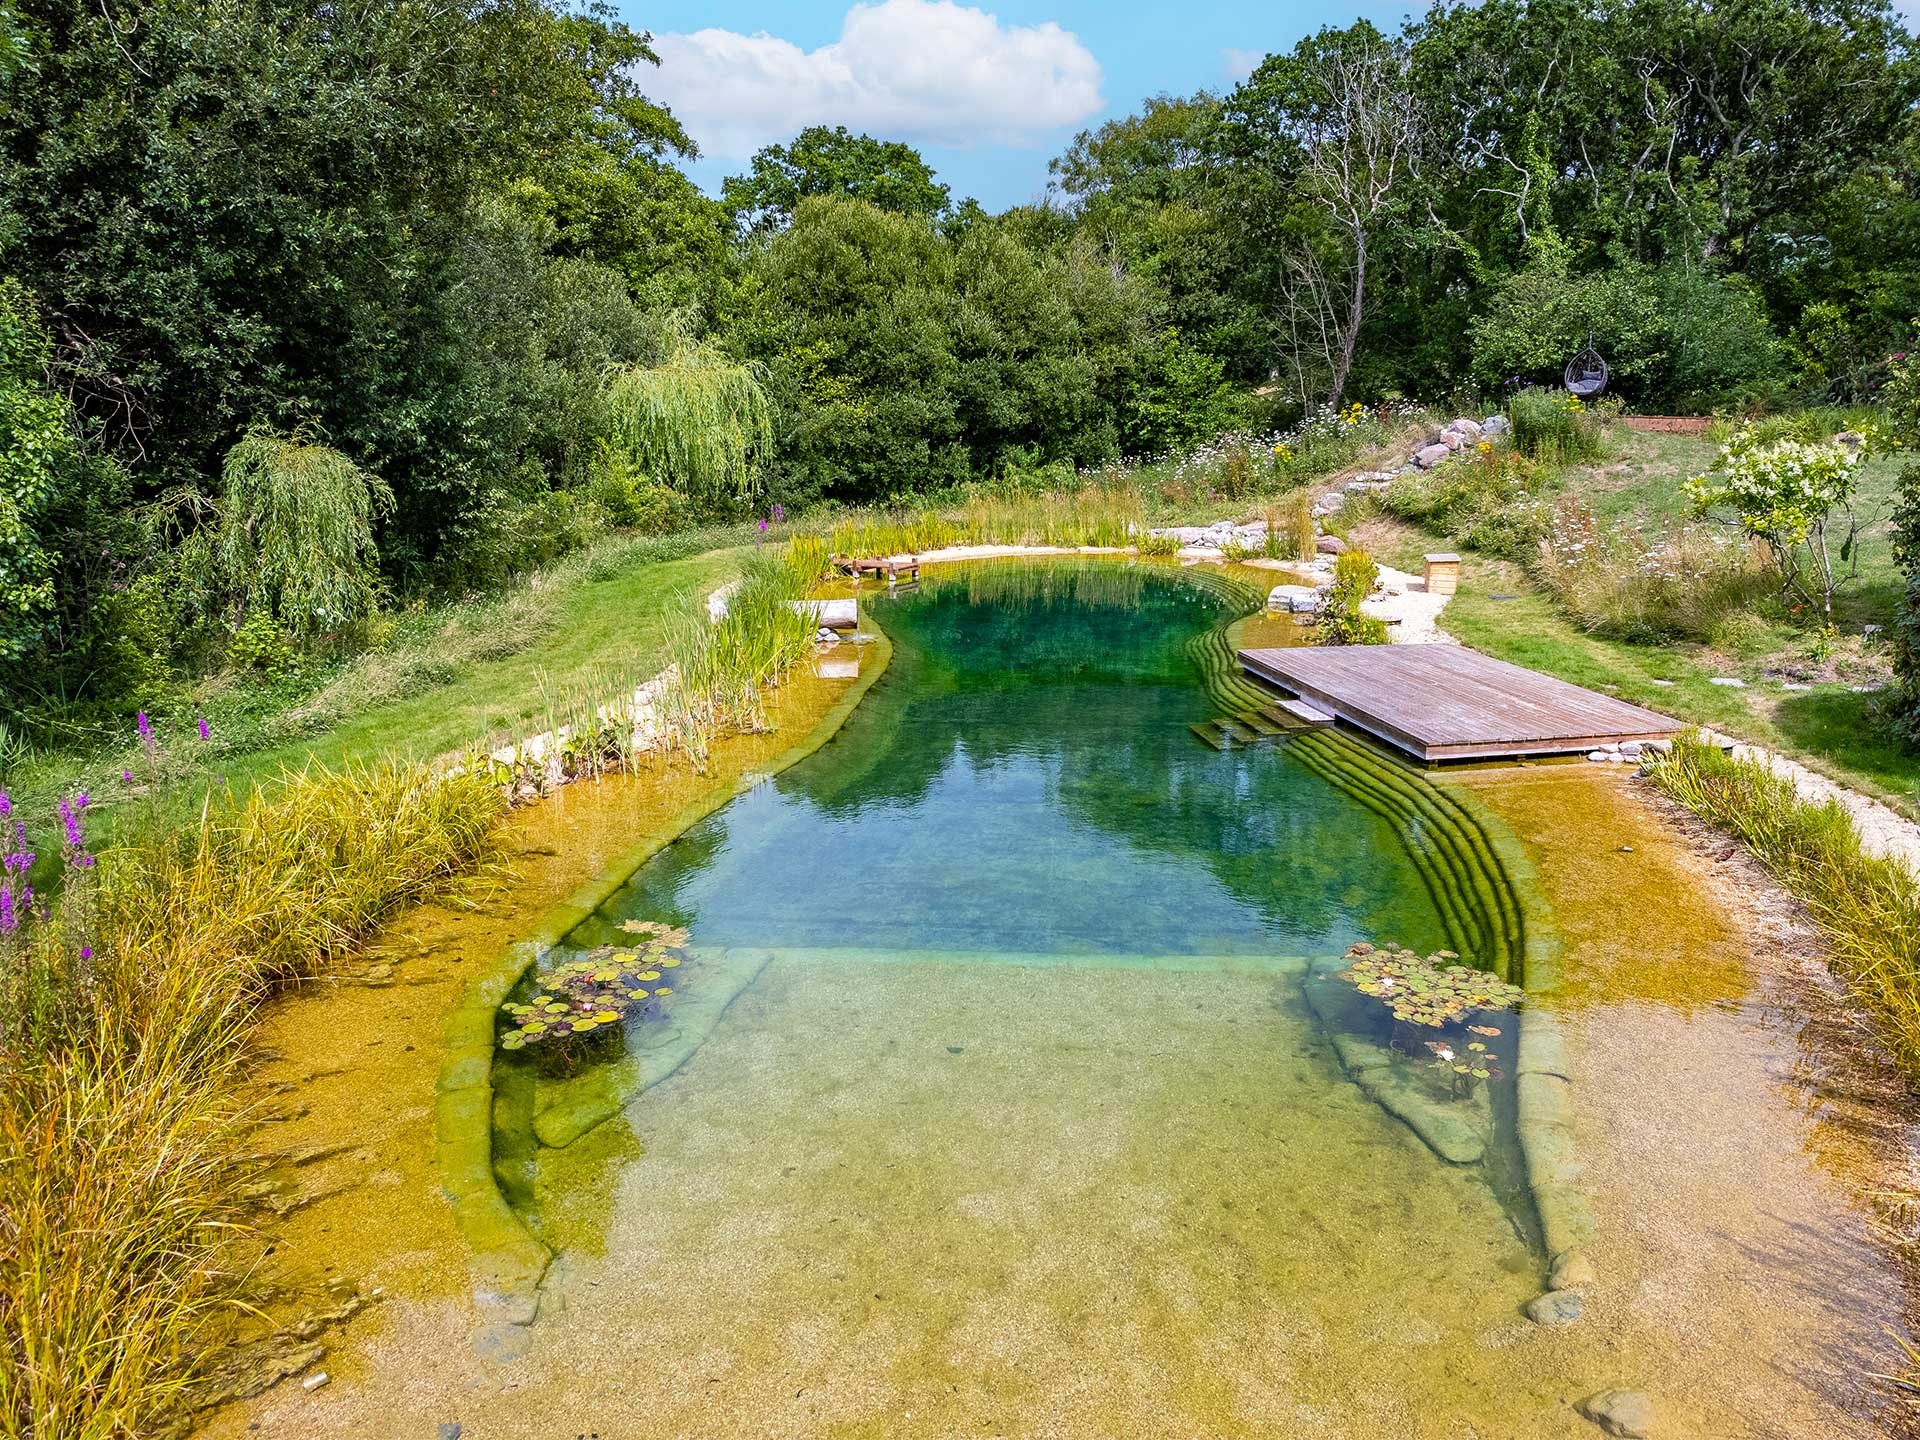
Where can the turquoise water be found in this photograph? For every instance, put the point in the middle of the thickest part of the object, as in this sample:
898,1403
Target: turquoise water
1023,780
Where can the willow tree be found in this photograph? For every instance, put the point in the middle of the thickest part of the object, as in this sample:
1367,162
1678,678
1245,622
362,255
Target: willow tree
700,423
296,531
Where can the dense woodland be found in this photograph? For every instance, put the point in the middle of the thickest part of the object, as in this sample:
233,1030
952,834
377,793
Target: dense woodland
304,308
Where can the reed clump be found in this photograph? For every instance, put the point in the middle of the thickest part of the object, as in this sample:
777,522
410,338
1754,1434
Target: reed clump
125,1008
1867,906
1105,514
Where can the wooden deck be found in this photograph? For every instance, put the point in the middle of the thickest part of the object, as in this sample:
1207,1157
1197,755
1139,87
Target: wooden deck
1446,702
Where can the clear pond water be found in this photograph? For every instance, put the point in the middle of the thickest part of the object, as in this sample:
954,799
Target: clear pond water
1023,781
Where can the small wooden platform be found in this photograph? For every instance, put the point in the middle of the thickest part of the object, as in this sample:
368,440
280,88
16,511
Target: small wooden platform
891,566
1446,702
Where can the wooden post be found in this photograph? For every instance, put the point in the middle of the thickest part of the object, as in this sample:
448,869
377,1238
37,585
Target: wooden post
1443,574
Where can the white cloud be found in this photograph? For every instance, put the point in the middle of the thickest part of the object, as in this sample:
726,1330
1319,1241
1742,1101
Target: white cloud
1237,65
926,71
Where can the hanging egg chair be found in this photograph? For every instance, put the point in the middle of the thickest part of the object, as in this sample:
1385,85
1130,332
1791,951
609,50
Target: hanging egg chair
1586,374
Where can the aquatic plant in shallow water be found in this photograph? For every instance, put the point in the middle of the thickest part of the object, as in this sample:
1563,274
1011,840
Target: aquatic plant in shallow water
597,992
1427,990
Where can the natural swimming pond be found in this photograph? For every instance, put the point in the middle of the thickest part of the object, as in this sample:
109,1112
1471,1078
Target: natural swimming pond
991,1096
1023,781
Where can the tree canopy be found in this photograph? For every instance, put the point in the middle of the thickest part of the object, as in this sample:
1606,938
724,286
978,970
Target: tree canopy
819,161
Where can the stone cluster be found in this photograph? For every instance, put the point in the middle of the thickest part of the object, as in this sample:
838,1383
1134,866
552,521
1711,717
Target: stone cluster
1458,434
1250,536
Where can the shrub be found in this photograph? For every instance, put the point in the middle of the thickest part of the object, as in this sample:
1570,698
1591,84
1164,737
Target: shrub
1906,623
1553,426
1539,317
504,537
259,646
1341,623
628,498
1788,495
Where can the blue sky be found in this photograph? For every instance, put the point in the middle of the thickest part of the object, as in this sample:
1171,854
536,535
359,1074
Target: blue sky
989,90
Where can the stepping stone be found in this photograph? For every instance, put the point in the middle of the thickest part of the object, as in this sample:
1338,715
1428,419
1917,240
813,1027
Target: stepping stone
1728,681
1306,714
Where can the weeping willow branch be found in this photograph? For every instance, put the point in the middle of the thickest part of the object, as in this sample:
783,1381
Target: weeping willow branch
296,530
699,423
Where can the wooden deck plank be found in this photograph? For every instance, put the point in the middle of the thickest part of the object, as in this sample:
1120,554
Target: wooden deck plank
1444,702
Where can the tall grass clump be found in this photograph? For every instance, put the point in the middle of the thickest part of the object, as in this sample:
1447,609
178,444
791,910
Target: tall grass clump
1681,583
125,1007
809,559
1109,515
722,669
1554,426
1867,906
1488,498
1291,533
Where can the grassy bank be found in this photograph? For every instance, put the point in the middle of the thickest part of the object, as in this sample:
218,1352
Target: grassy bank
446,679
124,1013
1867,907
1596,573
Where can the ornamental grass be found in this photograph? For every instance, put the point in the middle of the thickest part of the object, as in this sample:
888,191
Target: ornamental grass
126,1004
1867,906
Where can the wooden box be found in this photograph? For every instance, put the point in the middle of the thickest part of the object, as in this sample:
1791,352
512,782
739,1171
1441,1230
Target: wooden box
1443,574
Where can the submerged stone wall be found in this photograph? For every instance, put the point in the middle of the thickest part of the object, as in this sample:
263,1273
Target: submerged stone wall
508,1260
1495,912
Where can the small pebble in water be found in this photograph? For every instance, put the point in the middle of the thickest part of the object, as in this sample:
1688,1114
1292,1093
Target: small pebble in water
314,1382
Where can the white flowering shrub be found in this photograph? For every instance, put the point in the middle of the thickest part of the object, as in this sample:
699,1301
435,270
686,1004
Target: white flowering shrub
1796,498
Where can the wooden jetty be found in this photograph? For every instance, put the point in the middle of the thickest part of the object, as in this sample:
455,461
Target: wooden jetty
1446,702
890,566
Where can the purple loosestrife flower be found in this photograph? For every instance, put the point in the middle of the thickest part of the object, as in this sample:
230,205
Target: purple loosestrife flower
15,894
75,848
206,730
127,776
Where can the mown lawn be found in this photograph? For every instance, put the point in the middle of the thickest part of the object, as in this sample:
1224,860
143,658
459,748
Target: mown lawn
445,681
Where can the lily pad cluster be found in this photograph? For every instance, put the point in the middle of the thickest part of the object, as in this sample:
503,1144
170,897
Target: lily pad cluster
599,990
1427,990
1468,1060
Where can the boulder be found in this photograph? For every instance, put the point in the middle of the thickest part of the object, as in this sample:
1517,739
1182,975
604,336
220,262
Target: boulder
1469,428
1572,1271
1627,1413
1453,439
1330,545
1300,599
1495,426
1429,456
1556,1307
